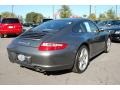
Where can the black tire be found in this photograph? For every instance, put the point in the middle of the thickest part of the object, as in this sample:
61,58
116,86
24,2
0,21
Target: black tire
2,36
76,68
22,66
5,35
107,48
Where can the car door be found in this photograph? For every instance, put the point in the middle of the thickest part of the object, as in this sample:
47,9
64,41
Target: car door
96,37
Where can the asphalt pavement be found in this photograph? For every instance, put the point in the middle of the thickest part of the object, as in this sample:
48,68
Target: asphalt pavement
103,69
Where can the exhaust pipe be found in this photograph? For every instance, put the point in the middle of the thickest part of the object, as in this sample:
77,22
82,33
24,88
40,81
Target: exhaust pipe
39,70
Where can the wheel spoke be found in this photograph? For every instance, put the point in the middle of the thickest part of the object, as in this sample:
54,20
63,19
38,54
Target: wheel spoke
83,59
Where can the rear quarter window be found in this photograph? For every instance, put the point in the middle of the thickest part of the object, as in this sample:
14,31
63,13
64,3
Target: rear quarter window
8,21
78,28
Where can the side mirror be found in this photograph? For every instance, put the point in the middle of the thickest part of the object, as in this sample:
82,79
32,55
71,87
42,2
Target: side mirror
101,30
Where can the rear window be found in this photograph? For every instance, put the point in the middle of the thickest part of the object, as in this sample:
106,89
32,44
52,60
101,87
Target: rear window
10,20
53,25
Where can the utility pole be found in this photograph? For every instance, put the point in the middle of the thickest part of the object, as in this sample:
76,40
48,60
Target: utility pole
95,9
12,10
90,10
116,11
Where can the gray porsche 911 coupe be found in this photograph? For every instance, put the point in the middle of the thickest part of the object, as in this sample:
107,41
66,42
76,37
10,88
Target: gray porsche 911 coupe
59,44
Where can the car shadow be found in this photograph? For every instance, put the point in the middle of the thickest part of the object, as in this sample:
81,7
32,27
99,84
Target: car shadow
116,42
48,73
61,72
11,36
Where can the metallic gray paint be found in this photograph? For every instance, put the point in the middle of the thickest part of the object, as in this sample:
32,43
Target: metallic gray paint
59,59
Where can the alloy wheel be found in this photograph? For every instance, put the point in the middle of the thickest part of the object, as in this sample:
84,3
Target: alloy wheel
83,59
108,44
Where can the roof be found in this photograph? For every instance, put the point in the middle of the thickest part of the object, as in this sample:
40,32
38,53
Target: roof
73,19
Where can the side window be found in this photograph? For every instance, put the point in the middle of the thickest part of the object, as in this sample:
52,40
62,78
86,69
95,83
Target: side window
90,26
77,28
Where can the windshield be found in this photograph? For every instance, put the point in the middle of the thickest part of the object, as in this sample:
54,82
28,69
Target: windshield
10,20
102,23
53,25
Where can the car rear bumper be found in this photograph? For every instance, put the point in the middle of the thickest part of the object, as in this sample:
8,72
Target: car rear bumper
16,31
44,67
47,61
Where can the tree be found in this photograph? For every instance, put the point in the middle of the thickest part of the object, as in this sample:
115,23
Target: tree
0,15
102,17
65,12
85,16
117,18
92,16
8,15
34,17
110,14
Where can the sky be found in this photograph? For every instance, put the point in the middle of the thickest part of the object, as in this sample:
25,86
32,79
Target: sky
47,10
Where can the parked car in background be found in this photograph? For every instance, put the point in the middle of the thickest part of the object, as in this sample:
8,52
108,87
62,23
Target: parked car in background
47,19
10,26
96,21
34,25
59,45
28,26
112,26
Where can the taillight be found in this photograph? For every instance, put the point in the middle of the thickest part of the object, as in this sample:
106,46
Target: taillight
48,46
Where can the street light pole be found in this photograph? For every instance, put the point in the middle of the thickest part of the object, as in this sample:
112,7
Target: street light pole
53,11
90,10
